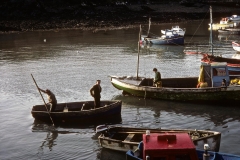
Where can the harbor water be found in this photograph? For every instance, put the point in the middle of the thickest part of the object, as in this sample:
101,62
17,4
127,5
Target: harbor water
68,62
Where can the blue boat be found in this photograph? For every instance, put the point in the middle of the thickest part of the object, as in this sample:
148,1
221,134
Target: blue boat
169,146
169,38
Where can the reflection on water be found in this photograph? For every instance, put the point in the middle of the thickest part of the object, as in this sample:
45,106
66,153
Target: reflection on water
49,141
228,37
168,50
216,114
106,154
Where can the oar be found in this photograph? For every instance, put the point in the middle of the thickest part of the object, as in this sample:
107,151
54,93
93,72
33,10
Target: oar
42,99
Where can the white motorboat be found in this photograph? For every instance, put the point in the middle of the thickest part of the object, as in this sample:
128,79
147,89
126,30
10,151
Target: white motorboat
176,29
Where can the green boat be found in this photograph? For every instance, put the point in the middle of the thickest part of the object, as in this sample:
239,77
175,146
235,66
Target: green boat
185,89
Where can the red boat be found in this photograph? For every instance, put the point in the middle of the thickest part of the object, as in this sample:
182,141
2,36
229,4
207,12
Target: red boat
232,63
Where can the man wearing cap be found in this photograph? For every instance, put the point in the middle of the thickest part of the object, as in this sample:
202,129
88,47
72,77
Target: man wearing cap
52,101
157,80
95,93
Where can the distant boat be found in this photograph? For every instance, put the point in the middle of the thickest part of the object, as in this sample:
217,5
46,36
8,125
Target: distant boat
234,17
224,23
78,112
177,29
170,38
232,63
236,46
229,31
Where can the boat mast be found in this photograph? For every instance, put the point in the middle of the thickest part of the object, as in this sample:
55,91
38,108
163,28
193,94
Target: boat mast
139,41
211,41
149,24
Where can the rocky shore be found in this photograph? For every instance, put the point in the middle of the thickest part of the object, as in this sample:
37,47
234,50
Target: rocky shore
35,17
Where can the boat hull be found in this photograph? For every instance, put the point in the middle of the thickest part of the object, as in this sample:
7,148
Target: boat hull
128,138
200,153
170,41
74,114
229,31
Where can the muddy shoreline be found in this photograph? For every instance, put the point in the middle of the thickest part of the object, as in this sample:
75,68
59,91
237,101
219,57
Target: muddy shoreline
106,17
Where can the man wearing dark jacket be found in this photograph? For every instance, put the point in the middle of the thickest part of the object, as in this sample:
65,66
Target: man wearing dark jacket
95,93
157,80
52,101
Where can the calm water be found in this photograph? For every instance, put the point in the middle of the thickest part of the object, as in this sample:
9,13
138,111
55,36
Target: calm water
68,63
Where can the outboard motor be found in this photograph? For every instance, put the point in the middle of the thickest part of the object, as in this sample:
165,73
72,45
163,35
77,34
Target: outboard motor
206,156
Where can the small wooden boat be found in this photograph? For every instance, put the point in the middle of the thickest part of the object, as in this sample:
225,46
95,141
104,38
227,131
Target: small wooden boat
127,138
185,89
78,112
173,146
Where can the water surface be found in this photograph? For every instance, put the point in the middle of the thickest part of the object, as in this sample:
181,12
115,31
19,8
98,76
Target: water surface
69,62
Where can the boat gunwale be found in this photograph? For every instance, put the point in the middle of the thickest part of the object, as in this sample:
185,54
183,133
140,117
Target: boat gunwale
166,89
114,102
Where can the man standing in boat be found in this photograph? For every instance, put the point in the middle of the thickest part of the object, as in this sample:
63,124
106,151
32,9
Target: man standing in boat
157,80
95,93
52,101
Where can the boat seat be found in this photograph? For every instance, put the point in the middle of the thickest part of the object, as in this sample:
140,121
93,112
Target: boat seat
129,137
86,106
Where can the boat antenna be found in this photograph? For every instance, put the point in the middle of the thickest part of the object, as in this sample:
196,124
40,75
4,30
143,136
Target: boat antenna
211,41
149,24
139,41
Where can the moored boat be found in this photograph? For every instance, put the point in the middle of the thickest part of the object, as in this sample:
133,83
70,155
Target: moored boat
185,89
232,63
78,112
121,138
234,17
173,146
169,38
224,23
177,29
236,47
229,31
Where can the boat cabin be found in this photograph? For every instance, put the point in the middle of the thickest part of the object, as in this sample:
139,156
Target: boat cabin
212,75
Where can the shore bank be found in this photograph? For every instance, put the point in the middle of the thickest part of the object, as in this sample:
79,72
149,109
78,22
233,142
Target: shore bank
104,17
